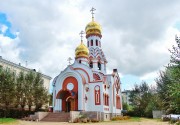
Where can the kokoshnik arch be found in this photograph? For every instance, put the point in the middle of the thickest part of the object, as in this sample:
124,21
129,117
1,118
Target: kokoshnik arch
85,85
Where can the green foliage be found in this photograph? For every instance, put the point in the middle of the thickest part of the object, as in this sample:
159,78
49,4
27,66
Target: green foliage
127,107
7,89
168,83
21,90
143,100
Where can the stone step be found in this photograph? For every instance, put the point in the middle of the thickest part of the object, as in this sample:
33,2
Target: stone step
57,117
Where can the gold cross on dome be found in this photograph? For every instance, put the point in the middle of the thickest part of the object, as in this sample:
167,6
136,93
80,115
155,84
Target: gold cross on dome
69,60
81,35
92,12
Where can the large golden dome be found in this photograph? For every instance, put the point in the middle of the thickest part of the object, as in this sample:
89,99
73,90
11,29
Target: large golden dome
93,28
82,51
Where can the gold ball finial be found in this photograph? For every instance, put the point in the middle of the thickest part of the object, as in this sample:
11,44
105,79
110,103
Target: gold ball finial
93,28
81,50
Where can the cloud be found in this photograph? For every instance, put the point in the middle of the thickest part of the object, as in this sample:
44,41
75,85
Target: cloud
136,34
138,31
9,49
3,29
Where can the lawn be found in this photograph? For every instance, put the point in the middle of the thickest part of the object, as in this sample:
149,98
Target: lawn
134,119
7,120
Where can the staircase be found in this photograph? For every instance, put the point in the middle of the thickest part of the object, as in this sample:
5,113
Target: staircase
57,117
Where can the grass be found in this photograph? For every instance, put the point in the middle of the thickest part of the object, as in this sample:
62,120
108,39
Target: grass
7,120
131,119
135,119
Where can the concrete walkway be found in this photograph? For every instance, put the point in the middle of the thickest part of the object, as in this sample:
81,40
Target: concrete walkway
142,122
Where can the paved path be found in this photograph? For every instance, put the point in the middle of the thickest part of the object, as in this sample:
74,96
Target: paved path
142,122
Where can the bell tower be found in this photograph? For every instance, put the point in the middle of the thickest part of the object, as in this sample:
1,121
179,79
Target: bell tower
97,59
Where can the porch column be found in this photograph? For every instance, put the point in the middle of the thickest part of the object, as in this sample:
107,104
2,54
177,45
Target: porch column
58,105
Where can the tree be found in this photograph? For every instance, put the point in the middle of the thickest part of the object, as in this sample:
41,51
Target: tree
23,89
143,99
138,98
30,90
29,81
40,93
168,82
7,89
174,88
20,90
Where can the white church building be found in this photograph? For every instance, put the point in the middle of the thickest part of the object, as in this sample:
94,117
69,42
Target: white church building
85,85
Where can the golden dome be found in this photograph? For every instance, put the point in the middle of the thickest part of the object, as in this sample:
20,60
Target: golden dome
82,51
93,28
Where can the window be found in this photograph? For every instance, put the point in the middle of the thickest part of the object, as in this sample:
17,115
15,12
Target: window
14,72
96,42
91,42
88,43
97,95
91,65
79,61
105,66
7,69
118,104
99,65
106,99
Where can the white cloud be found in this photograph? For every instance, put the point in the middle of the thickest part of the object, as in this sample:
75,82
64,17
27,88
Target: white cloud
3,28
136,35
9,49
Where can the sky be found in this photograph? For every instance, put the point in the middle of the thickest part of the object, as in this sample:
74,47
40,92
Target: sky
136,35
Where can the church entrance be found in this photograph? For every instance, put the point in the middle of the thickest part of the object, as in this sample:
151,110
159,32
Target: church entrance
69,100
70,104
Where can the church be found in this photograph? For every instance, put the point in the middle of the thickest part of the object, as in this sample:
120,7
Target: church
84,85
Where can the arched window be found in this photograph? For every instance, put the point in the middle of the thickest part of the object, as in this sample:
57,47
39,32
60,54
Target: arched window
91,64
104,99
99,65
79,61
96,42
118,104
91,42
107,100
97,95
88,43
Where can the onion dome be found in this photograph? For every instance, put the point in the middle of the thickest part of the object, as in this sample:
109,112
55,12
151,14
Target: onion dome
93,28
82,51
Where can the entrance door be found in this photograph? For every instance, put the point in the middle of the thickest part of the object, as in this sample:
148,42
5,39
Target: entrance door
70,105
69,100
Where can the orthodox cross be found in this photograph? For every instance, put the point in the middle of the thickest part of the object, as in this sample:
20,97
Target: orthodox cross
92,12
69,60
81,35
177,40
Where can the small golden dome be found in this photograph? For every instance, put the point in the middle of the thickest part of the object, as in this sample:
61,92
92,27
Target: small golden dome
82,51
93,28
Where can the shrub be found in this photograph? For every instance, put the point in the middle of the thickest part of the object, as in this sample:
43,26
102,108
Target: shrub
76,120
120,118
94,120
